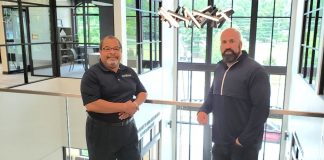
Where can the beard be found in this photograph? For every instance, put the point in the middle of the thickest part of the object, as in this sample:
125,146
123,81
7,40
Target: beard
112,63
229,56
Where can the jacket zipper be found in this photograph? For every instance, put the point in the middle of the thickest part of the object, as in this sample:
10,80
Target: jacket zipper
225,76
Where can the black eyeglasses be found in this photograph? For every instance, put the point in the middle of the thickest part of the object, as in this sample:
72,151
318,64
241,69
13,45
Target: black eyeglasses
111,49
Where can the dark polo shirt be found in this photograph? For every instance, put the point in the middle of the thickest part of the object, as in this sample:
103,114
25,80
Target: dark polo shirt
101,83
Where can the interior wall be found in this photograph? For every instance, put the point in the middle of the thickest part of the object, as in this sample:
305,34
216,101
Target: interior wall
302,97
2,41
32,128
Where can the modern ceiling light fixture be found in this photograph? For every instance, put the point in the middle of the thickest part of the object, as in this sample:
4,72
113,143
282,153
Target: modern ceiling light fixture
212,15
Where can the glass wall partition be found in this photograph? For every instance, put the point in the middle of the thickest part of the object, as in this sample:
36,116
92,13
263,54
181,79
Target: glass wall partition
19,34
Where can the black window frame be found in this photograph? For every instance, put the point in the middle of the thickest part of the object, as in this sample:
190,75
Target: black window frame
155,43
310,44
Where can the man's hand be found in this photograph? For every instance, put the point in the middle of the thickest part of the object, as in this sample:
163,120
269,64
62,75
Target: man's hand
130,108
237,142
202,118
123,115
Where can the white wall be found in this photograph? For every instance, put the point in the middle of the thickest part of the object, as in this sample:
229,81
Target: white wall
31,128
301,96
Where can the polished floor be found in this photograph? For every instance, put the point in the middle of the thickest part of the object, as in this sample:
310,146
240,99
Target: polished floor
10,80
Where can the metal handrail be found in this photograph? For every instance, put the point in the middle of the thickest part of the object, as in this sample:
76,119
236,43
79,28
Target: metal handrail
167,102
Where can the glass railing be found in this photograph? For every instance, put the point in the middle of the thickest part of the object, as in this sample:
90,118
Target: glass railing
46,124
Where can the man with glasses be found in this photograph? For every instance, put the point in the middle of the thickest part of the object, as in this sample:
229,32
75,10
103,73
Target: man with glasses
107,90
239,99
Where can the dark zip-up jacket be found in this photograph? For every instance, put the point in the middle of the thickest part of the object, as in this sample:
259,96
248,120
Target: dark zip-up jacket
240,101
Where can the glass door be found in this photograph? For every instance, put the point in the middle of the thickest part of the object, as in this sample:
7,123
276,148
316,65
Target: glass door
13,38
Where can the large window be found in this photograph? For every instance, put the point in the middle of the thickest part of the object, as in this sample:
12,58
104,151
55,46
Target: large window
265,34
143,35
310,43
91,16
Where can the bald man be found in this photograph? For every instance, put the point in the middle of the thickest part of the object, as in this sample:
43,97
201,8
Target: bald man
239,99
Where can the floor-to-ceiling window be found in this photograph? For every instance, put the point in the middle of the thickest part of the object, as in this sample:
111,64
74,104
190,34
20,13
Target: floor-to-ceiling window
143,35
265,33
310,44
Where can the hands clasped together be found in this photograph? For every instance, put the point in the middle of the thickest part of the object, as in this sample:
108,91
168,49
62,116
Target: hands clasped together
129,108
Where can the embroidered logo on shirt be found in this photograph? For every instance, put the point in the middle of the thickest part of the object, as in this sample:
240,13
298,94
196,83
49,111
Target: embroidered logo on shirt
126,75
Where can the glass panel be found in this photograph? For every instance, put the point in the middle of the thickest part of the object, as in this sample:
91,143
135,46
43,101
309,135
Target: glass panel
183,131
200,4
155,29
186,3
243,25
265,9
39,16
242,8
314,78
132,58
8,80
312,33
263,41
271,140
199,45
63,3
308,61
306,29
46,2
89,9
283,8
220,4
184,82
94,29
277,83
146,7
146,28
280,42
196,146
42,59
13,53
130,11
80,29
318,39
131,28
303,67
154,54
146,57
216,52
184,44
198,87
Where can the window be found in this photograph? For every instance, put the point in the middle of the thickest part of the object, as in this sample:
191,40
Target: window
91,14
309,48
264,26
143,35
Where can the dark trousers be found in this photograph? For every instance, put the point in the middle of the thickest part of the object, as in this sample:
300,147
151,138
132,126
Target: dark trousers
235,152
106,142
